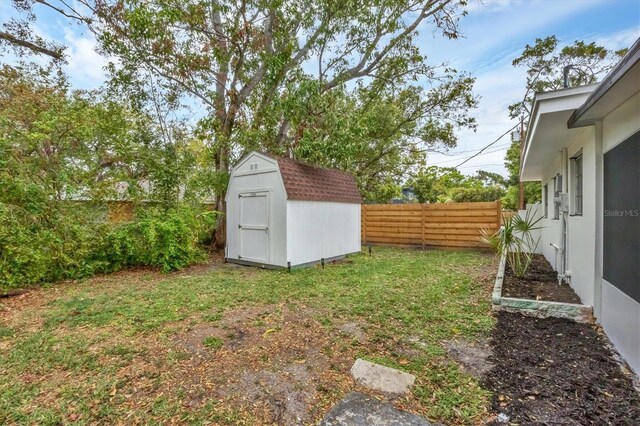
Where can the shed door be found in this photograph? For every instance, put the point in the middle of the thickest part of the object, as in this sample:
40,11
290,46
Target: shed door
253,227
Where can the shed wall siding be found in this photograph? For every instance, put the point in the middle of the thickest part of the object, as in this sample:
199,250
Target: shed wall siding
317,230
266,177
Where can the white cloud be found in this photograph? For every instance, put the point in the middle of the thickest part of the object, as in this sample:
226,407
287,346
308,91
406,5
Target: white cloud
85,65
619,40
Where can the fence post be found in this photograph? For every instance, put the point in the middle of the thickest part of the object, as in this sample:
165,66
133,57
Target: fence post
422,230
363,218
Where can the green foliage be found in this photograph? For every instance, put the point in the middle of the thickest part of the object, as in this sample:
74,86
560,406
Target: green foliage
532,190
515,241
532,194
73,242
60,150
169,239
476,194
545,61
445,184
434,182
378,134
243,69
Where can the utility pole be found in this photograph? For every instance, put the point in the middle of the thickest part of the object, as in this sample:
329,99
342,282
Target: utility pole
521,186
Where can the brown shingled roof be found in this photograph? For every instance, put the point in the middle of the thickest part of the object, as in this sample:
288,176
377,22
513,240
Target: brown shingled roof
305,182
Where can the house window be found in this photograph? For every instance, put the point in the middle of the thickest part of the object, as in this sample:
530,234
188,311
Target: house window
557,190
576,166
545,201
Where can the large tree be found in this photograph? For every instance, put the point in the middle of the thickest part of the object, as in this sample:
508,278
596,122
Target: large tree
249,68
545,62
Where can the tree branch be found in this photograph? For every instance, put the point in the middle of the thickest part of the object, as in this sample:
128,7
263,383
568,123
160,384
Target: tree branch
11,39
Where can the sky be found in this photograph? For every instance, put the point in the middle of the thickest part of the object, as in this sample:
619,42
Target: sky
494,33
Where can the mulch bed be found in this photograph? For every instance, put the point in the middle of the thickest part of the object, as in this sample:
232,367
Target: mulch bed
540,282
556,371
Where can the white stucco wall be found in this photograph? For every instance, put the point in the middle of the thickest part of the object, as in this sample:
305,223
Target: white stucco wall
550,228
581,230
317,230
265,178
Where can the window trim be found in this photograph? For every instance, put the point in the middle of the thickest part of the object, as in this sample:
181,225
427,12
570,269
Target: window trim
545,201
557,190
577,184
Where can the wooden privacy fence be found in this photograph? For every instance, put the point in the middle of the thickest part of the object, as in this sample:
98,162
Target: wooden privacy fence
429,225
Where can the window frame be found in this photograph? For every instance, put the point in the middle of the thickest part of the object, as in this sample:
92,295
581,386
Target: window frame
577,186
557,190
545,201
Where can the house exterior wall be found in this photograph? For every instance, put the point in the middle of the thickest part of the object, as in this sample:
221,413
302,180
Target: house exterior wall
620,314
318,229
265,177
551,233
581,230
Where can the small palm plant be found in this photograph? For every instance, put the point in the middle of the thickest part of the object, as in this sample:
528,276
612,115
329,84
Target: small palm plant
515,241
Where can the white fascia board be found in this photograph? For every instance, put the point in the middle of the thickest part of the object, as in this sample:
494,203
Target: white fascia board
549,102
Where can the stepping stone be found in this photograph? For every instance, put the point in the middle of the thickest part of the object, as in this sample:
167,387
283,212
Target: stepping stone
357,409
381,378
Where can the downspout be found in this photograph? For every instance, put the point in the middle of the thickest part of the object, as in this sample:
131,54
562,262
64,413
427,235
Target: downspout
564,276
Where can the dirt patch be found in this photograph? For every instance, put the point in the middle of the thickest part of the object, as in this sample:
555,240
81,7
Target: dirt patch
277,362
556,371
539,283
473,357
353,330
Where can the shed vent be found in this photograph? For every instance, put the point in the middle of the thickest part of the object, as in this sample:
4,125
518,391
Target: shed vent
253,166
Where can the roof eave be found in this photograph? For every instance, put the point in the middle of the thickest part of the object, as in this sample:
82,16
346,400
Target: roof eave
618,72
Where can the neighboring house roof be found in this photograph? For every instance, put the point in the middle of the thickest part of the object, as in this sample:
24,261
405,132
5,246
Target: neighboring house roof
306,182
622,82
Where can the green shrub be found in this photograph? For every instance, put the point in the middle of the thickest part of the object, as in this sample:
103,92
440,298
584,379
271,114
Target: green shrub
169,239
515,241
475,194
72,241
50,244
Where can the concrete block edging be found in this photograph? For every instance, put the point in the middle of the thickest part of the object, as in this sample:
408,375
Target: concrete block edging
536,308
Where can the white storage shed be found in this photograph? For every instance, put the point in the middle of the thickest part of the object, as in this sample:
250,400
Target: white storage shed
285,213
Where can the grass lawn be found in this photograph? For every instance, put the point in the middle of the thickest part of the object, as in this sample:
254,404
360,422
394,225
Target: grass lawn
222,344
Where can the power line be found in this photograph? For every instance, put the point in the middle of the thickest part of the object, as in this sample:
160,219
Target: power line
456,154
478,153
482,165
457,159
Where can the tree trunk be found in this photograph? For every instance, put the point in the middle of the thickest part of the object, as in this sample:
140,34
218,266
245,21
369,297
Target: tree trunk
222,163
220,235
